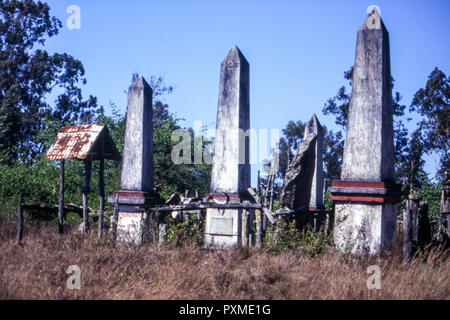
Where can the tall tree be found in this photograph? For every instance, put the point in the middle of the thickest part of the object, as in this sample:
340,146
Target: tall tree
433,103
410,168
29,74
333,145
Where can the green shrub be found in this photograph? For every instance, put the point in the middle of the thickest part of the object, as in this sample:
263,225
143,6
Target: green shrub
184,232
290,237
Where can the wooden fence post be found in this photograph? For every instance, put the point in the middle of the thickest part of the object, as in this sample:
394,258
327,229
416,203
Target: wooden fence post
20,220
61,198
444,217
259,223
423,225
101,185
244,228
86,189
113,230
258,187
408,229
416,226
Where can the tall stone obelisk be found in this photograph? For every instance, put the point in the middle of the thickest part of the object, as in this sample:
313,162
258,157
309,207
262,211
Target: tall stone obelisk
230,176
366,197
136,183
137,162
316,199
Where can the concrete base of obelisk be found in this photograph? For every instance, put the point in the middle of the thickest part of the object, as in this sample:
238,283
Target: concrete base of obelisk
135,223
132,227
223,227
364,228
365,214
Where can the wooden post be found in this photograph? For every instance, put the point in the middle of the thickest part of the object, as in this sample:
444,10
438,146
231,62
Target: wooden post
408,245
162,232
423,225
410,226
271,192
86,189
444,217
20,220
244,228
113,229
61,198
258,187
101,185
259,222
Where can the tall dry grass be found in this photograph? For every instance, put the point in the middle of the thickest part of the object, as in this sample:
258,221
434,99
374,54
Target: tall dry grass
36,269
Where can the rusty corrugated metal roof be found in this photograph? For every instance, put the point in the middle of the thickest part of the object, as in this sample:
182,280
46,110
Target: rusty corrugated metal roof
77,142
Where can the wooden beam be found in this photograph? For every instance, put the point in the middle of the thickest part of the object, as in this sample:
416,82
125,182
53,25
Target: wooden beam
266,211
200,206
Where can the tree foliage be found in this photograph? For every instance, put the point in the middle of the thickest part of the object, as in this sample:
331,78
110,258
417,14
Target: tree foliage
433,103
30,74
38,182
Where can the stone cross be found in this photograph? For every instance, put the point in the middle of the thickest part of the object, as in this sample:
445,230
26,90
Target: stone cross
366,197
230,176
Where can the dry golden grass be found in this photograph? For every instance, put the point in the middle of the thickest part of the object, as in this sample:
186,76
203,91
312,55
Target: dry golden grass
36,269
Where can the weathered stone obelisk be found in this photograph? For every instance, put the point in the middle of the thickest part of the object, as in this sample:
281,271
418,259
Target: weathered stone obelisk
230,176
316,199
366,197
136,183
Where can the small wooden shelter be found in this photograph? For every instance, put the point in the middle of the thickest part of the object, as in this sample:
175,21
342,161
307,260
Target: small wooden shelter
88,143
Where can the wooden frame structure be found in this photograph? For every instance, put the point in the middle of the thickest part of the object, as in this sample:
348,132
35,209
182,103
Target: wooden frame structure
87,143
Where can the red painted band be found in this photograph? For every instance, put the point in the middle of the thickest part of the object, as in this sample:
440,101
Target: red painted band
365,198
360,184
133,194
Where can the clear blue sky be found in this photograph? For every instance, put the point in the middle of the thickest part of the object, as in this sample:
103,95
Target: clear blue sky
297,50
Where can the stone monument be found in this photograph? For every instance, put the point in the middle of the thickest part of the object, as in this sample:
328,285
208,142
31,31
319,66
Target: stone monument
316,199
366,198
136,183
230,176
